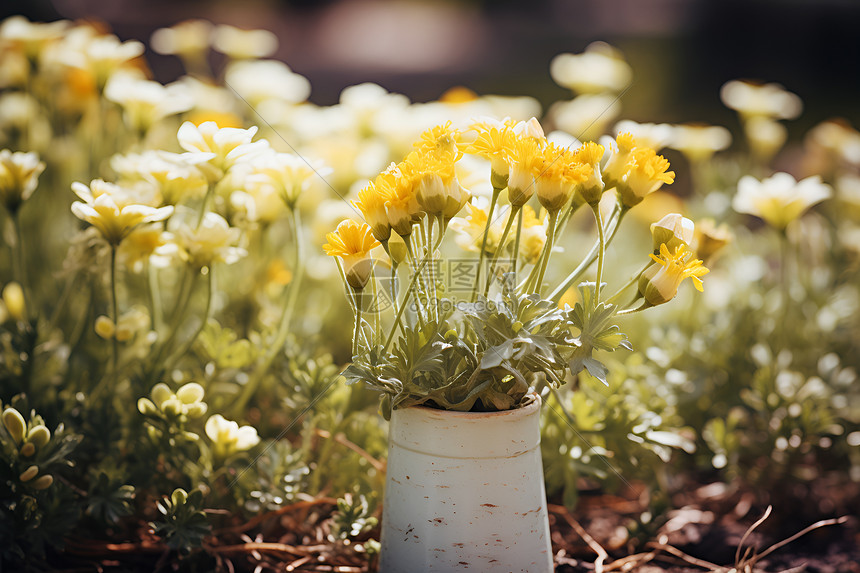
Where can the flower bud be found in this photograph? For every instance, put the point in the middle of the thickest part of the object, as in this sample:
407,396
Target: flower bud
397,248
196,410
39,436
28,450
358,272
14,422
172,407
190,393
43,482
29,474
499,174
673,230
179,496
146,407
431,194
105,327
13,297
160,393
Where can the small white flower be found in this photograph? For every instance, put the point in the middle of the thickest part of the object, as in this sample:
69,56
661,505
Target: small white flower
188,39
228,437
601,68
586,117
212,241
655,135
225,145
19,176
260,80
244,44
144,102
106,207
779,199
769,100
699,142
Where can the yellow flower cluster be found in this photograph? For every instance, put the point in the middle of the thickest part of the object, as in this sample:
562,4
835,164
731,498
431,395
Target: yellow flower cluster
635,170
424,183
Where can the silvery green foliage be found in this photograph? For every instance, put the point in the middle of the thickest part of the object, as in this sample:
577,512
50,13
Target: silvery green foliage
486,355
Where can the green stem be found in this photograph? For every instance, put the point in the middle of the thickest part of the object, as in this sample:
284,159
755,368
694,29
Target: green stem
553,217
355,334
589,259
495,198
19,267
492,270
190,342
154,294
417,273
628,284
210,190
179,311
114,316
600,253
409,291
283,328
517,242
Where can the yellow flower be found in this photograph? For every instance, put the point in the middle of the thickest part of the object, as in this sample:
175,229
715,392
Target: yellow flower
352,242
557,177
646,173
105,209
494,144
441,139
19,176
779,199
525,158
371,202
659,283
591,189
398,182
616,168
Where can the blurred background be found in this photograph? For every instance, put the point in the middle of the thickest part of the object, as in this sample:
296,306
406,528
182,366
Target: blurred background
682,51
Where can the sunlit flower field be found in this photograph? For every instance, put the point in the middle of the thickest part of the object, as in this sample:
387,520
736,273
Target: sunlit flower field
215,291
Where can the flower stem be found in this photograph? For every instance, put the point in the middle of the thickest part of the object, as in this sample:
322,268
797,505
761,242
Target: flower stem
516,255
114,316
355,334
19,268
553,217
601,252
283,328
188,343
495,198
590,258
491,271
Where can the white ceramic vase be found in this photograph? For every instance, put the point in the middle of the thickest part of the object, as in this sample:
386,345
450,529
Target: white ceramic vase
465,491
